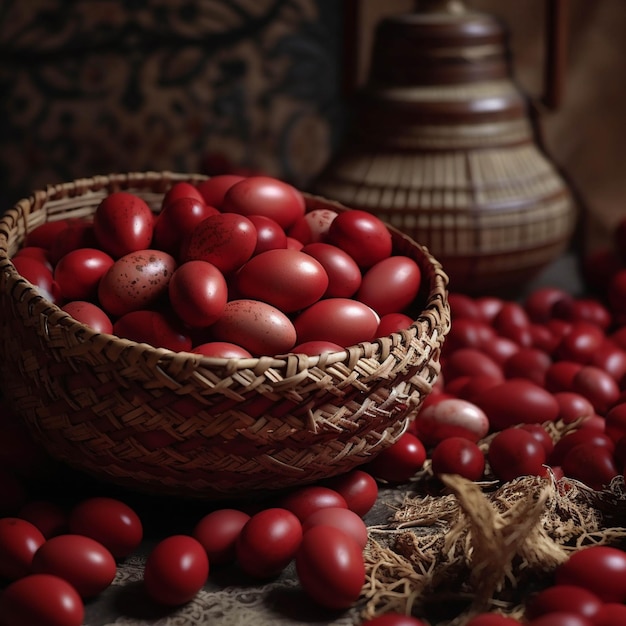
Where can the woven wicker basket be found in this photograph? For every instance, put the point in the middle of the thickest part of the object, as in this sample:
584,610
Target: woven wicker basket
168,423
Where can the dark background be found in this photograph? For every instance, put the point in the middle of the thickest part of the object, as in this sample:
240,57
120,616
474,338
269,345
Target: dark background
94,86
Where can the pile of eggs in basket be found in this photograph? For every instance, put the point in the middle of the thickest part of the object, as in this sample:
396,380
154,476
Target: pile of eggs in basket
226,268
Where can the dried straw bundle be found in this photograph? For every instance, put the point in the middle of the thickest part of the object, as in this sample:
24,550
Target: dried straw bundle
484,550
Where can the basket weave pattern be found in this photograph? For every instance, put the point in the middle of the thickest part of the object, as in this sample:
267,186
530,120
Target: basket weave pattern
182,424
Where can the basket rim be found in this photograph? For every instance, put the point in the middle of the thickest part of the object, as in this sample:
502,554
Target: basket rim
21,288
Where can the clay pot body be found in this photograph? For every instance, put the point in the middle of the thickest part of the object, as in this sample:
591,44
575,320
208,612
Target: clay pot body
445,146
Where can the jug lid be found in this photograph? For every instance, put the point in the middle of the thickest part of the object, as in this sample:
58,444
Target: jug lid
441,43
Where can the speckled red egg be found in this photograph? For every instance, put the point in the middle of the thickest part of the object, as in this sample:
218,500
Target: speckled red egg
227,240
135,281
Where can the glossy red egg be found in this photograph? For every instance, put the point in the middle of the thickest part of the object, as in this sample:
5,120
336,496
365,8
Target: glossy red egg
330,567
176,569
123,223
287,279
41,600
109,521
80,560
268,542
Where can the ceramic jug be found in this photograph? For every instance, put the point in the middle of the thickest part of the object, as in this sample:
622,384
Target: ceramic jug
444,145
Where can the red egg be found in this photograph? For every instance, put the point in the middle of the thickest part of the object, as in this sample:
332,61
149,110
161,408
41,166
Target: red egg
214,189
599,569
580,343
44,235
287,279
560,376
78,235
514,452
390,285
571,440
517,401
489,307
589,310
470,387
257,326
123,223
109,521
36,252
78,273
306,500
590,464
358,488
539,305
270,234
218,532
41,600
154,328
82,561
451,417
176,569
501,349
610,614
615,422
135,281
39,275
573,406
463,306
530,363
19,541
470,362
264,195
226,240
339,517
330,567
344,275
222,350
315,348
89,314
178,218
294,244
313,226
393,323
467,332
597,386
362,235
343,321
399,462
178,190
268,542
512,321
541,435
198,293
458,455
612,359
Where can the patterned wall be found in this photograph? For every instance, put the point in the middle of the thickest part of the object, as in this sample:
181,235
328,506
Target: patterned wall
95,86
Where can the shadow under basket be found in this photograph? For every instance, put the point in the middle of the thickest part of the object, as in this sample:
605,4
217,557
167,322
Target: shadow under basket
167,423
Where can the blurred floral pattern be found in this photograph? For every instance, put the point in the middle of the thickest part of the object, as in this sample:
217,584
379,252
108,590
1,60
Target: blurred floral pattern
96,86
